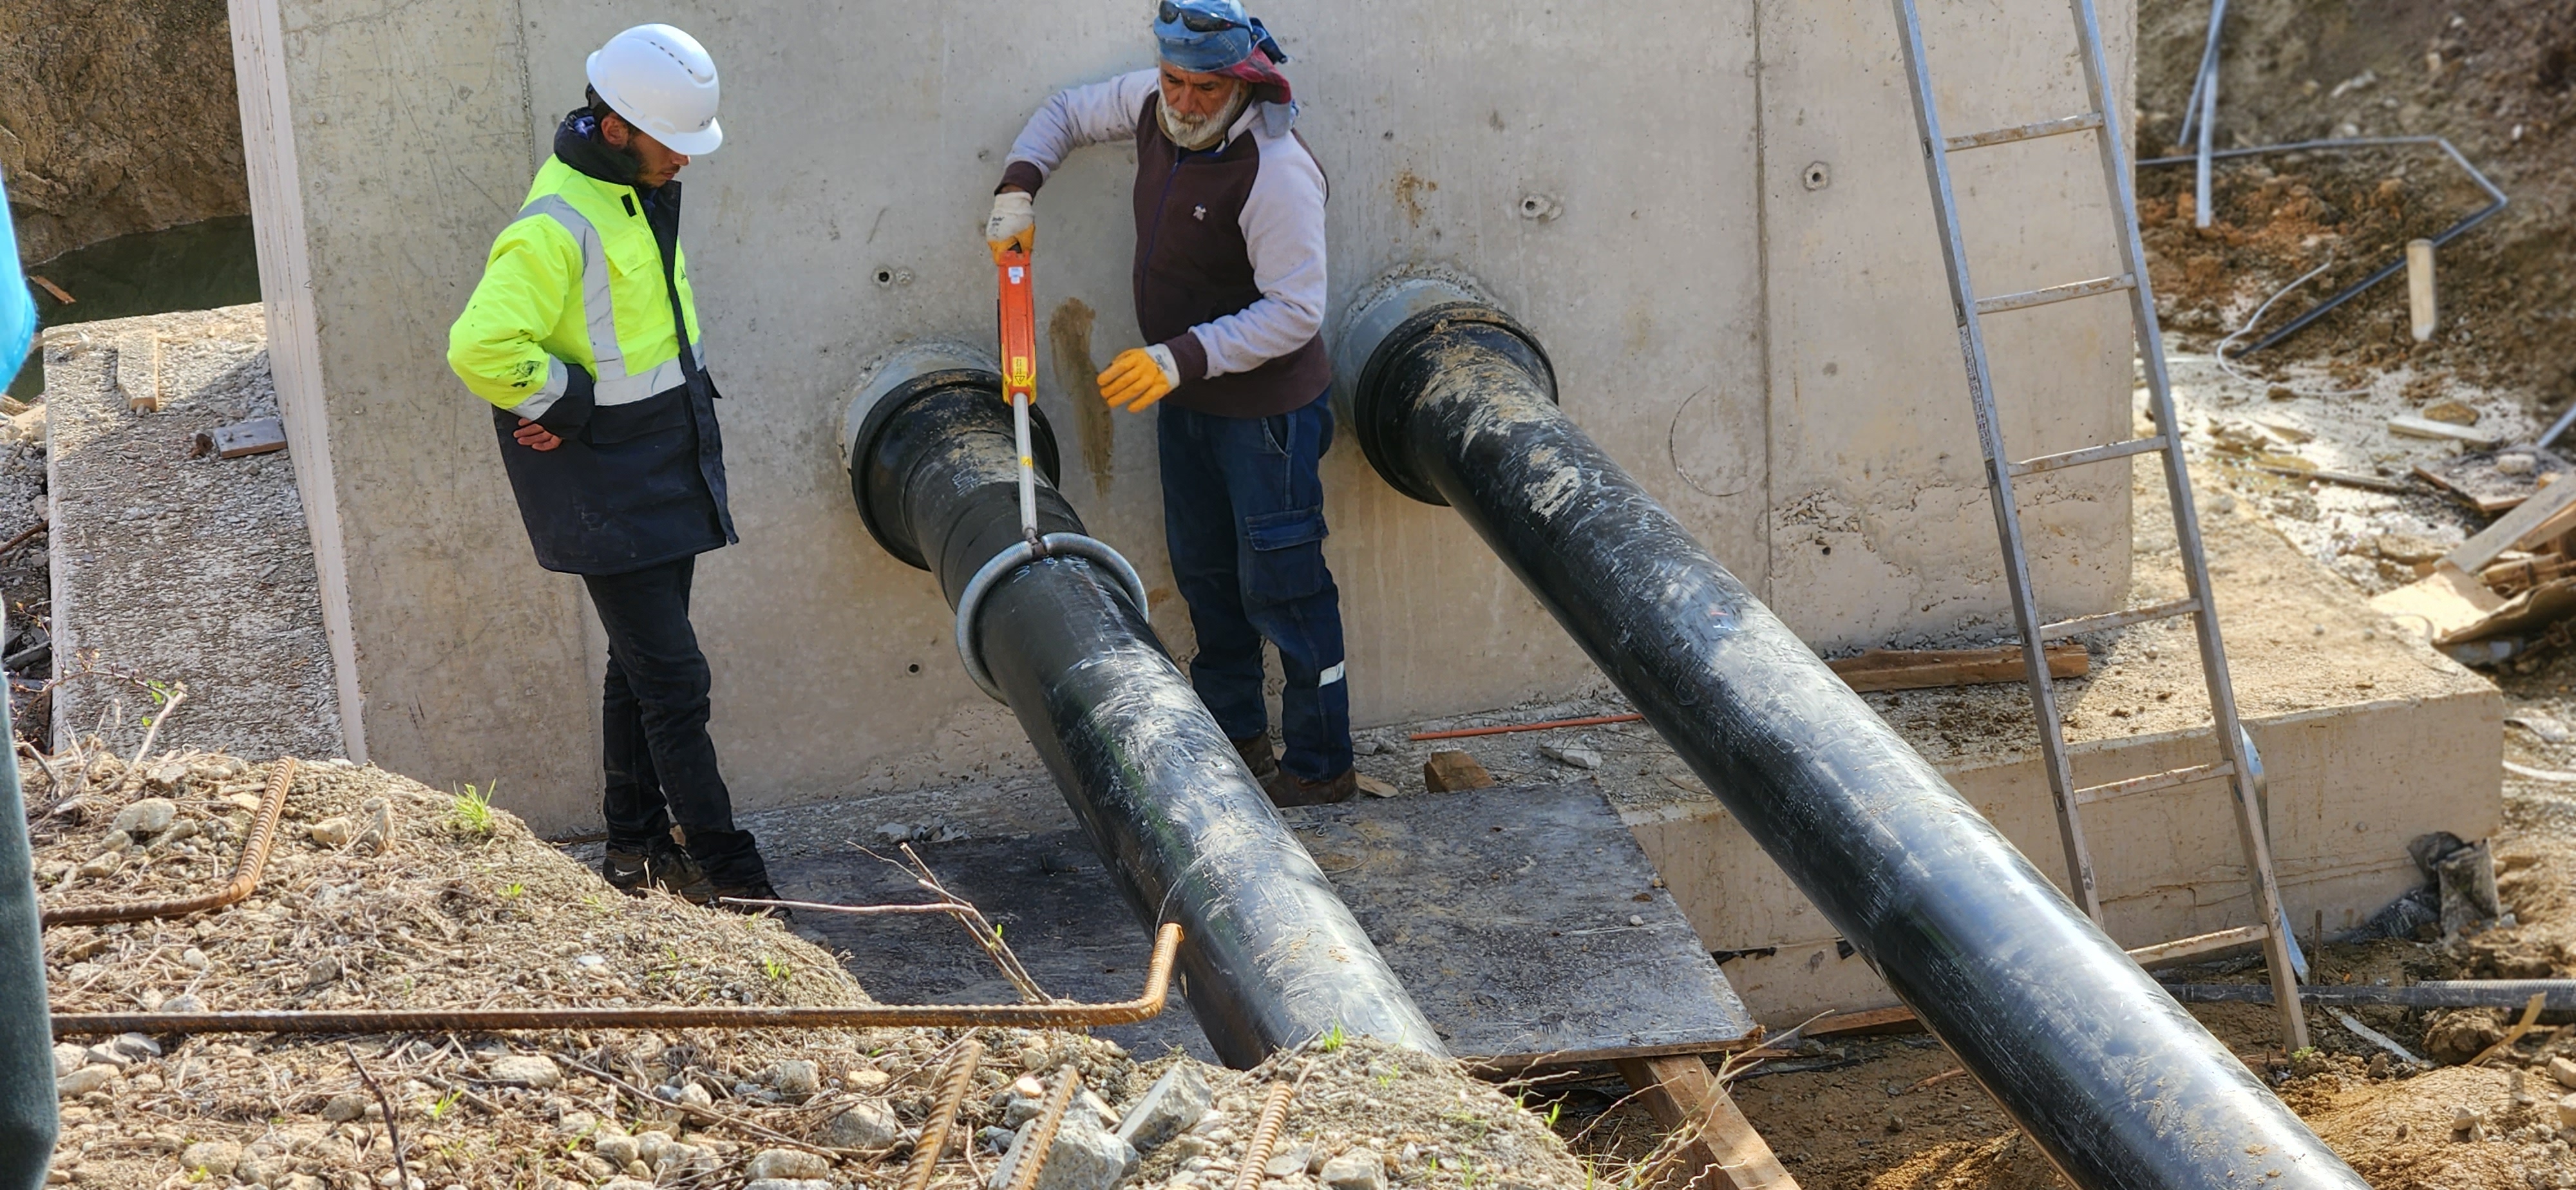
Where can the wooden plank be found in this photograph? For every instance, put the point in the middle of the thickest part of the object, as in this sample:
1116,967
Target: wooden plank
2425,427
2448,600
1919,669
1724,1152
51,288
1899,1019
2513,528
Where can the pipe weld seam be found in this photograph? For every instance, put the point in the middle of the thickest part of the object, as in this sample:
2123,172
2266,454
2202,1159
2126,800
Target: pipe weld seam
1014,556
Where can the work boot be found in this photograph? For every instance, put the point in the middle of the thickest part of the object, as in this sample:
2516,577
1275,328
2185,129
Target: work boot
726,895
1288,789
663,865
1258,757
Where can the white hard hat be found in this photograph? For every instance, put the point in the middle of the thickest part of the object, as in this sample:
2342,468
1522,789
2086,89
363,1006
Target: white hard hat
662,81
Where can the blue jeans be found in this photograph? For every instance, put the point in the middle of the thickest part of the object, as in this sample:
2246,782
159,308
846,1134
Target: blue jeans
1243,514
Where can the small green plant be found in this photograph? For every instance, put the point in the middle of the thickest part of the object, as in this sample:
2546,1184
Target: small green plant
1387,1079
445,1102
778,970
512,890
2303,1054
1555,1110
1333,1039
471,811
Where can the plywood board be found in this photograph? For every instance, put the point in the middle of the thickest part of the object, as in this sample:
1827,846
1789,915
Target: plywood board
2447,600
1527,923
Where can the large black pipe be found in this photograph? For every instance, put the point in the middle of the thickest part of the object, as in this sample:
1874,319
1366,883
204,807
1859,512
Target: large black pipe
2120,1087
27,1117
1271,957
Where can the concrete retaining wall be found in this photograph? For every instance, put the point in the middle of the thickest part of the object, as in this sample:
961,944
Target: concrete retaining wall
1739,283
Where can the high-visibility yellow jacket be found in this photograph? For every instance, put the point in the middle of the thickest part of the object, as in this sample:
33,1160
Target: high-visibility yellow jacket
574,282
576,325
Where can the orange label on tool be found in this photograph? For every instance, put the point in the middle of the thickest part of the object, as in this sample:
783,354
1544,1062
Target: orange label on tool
1019,327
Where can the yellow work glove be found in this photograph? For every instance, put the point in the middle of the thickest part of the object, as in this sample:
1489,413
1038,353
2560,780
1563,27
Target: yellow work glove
1013,224
1139,377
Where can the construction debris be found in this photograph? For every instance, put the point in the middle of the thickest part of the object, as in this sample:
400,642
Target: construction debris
258,436
1449,772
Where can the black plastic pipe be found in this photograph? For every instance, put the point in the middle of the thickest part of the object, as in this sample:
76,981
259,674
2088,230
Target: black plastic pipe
2120,1087
28,1122
1271,958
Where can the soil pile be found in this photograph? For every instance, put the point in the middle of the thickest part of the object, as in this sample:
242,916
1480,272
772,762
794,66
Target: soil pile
116,116
382,893
2498,80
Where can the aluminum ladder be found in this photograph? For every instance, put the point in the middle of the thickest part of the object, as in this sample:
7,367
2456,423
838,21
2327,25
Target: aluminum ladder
2237,763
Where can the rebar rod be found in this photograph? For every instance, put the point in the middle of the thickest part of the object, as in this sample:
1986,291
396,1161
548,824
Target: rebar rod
493,1020
953,1085
246,870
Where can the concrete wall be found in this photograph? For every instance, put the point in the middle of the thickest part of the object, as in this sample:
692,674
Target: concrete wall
1772,357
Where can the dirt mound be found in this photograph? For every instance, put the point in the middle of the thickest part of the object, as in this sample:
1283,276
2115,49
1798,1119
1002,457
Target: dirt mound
461,905
2494,78
116,116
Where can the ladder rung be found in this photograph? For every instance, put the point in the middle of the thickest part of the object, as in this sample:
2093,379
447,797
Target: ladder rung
2056,293
2090,454
2180,948
2122,619
2006,136
2153,781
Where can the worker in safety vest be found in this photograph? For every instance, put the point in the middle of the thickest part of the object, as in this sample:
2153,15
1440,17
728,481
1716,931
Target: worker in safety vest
583,334
1229,287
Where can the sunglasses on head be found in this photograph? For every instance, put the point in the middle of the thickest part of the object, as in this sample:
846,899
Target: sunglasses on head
1193,20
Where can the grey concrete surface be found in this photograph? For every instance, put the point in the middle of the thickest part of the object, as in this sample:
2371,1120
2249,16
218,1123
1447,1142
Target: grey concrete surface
1770,352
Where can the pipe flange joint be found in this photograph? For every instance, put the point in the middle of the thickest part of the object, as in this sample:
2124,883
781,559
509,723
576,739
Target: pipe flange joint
1389,315
1019,554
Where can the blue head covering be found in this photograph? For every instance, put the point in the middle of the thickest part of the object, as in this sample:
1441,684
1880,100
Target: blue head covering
1217,50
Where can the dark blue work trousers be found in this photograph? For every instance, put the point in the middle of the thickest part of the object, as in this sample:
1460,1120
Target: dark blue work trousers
1243,514
660,764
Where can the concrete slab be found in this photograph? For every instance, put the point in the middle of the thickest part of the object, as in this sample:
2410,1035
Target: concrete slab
171,569
2369,739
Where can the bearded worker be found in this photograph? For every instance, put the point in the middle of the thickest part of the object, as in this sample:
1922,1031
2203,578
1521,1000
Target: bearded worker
1229,290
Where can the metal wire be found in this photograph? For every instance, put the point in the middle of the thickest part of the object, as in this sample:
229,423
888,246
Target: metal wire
1060,1015
2392,268
246,871
943,1115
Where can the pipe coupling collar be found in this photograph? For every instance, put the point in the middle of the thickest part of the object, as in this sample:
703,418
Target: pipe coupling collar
1382,327
1019,554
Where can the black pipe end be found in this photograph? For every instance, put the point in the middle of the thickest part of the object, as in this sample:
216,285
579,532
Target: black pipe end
1382,396
868,483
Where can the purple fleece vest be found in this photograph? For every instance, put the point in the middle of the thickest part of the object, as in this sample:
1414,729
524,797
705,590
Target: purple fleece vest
1192,266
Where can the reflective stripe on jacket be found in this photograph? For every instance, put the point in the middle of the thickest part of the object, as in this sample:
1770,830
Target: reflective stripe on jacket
575,280
576,326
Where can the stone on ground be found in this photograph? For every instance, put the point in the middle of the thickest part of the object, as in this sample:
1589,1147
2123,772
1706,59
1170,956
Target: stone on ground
1085,1156
869,1125
1359,1169
534,1070
1167,1109
787,1164
1450,772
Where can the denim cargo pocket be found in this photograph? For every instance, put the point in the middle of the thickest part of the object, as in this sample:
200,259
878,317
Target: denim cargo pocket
1287,554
